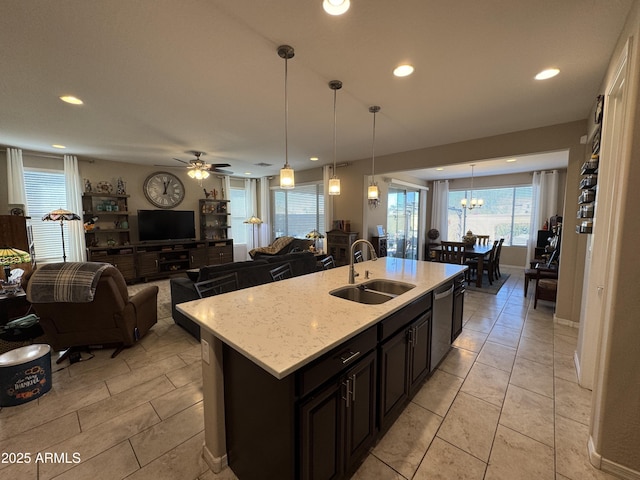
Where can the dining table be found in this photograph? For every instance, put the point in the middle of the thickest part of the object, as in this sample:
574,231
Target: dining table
474,251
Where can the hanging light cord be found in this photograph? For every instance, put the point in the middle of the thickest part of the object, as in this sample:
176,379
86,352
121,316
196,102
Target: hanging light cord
373,149
286,113
334,131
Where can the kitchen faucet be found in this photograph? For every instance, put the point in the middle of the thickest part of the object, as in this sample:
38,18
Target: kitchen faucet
352,271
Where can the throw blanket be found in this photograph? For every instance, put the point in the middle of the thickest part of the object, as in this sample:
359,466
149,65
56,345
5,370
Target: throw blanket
73,282
277,245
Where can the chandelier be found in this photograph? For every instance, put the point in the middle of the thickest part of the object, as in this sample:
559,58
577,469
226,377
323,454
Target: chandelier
474,202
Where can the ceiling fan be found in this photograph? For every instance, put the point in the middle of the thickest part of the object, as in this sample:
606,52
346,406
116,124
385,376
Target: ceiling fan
200,169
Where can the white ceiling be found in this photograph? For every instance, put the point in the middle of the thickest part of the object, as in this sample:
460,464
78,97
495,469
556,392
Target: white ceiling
162,77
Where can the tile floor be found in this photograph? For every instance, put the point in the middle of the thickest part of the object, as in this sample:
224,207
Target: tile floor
504,404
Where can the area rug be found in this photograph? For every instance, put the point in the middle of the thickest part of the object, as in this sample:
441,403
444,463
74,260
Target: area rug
164,295
486,288
6,345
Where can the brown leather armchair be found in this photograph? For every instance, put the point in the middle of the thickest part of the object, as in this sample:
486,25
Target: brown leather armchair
111,319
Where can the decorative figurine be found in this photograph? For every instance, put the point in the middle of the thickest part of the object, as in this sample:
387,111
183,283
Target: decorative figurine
87,185
214,194
206,194
121,187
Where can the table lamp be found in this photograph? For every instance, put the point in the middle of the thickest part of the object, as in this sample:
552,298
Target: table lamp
315,234
11,256
60,215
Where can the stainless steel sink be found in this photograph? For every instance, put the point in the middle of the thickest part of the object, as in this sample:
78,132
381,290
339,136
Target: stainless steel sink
390,287
360,295
372,292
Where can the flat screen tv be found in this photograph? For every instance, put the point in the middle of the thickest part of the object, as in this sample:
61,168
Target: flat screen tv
164,225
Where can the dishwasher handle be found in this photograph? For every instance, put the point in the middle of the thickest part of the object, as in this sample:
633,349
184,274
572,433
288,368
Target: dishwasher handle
445,294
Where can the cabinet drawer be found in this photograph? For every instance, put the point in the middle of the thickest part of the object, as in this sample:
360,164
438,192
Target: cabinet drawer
402,317
335,361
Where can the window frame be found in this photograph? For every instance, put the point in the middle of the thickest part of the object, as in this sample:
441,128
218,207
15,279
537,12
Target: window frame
320,205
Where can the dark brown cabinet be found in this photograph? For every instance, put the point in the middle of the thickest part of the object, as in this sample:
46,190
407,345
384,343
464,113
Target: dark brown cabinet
215,218
404,363
339,245
338,424
458,307
380,245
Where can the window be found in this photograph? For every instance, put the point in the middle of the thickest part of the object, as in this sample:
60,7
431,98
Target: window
239,214
296,212
46,191
506,214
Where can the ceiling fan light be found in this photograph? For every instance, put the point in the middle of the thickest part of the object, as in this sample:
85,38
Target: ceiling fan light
334,186
287,178
205,174
336,7
192,173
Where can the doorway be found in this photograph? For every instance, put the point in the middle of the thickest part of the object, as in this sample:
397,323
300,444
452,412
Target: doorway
403,222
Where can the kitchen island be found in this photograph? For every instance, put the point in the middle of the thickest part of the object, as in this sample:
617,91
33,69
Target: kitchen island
272,343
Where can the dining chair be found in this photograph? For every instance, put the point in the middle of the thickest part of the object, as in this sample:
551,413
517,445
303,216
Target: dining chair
488,264
357,256
452,252
497,260
328,262
281,272
483,239
217,285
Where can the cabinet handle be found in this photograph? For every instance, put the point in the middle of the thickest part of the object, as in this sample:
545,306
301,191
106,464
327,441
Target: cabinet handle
414,335
191,258
353,388
156,260
351,356
347,393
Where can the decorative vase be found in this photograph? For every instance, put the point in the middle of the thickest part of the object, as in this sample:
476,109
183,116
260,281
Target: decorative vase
470,238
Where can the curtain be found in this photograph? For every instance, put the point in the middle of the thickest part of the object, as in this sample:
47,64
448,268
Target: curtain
328,199
545,205
439,209
15,176
226,188
265,213
73,186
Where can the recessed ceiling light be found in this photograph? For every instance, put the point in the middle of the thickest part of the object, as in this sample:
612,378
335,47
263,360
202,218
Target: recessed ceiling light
439,169
403,70
511,160
71,99
247,173
548,73
336,7
55,145
313,159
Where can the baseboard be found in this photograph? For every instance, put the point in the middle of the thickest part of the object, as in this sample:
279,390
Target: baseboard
576,363
608,466
564,321
216,464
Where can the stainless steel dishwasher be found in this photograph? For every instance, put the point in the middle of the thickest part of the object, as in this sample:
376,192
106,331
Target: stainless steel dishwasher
442,315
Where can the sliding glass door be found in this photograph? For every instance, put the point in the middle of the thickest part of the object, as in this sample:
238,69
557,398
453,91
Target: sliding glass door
402,222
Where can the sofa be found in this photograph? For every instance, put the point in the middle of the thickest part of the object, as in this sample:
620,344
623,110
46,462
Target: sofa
250,274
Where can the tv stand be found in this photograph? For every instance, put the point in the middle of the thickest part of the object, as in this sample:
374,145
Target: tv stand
151,260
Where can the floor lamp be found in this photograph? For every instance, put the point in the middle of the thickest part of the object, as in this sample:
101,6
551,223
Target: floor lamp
254,221
61,215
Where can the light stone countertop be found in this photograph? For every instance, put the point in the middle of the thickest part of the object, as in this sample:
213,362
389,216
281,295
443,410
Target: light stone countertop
284,325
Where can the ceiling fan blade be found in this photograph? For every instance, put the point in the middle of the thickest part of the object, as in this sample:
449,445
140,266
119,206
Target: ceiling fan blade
180,160
219,170
216,165
168,166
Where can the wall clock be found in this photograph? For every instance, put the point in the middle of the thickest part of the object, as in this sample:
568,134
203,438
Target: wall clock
163,189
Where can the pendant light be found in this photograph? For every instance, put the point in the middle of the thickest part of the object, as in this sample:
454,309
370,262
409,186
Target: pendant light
475,202
373,193
287,179
334,181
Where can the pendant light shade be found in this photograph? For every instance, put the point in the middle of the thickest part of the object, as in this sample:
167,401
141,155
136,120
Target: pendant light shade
287,178
334,181
373,193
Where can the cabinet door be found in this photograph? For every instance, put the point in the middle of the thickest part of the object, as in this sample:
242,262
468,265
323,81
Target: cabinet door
321,444
198,257
147,263
393,376
360,410
420,350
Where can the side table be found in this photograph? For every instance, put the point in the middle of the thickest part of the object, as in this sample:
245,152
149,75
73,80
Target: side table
13,306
